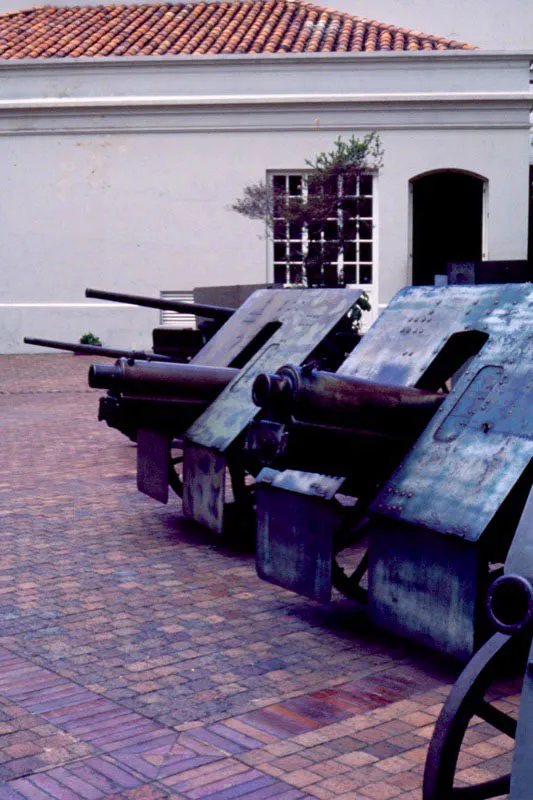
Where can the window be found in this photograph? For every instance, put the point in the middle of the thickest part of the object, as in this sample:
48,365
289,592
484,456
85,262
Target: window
337,252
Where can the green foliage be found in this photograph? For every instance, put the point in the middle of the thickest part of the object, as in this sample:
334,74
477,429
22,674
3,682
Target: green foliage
349,158
90,338
361,304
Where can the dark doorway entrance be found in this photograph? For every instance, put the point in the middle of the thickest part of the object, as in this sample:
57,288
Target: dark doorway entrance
447,222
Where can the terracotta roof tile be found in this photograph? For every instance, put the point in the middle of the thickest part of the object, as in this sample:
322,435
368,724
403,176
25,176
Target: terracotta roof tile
238,26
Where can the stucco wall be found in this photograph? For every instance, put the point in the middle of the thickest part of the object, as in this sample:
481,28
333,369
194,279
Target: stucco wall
122,179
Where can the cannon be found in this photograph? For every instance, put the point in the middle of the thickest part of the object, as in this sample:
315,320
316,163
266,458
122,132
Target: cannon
96,350
410,465
204,407
181,343
509,607
219,314
213,318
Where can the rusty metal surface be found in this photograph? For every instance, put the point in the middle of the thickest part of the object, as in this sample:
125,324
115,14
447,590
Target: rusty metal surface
153,450
306,317
204,473
424,586
481,439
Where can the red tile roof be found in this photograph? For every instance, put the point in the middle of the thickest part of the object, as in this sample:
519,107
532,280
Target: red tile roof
252,26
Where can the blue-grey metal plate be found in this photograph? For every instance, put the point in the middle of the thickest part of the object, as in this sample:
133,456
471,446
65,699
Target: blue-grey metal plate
424,586
479,443
205,493
306,317
295,532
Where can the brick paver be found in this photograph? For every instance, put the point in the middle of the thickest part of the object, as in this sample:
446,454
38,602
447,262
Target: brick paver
142,658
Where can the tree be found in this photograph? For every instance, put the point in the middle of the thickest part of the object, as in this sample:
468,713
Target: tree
320,210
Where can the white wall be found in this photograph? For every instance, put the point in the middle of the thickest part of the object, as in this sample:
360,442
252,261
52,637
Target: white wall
122,178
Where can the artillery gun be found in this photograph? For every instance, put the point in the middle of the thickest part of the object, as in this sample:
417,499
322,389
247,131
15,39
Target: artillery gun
216,316
427,428
97,350
204,407
509,607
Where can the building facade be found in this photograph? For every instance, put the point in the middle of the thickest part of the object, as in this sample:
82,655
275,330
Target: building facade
119,172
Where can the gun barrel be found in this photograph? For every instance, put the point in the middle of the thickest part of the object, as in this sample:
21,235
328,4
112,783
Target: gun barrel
327,397
218,313
96,350
146,379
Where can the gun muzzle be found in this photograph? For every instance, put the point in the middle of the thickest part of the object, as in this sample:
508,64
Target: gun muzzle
510,603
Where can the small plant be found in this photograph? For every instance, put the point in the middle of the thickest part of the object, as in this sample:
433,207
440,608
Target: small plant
90,338
361,304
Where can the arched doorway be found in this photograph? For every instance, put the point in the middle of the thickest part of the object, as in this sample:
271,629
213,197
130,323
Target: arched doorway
447,220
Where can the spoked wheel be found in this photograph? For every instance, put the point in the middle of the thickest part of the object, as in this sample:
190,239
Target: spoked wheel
174,474
239,515
467,700
351,533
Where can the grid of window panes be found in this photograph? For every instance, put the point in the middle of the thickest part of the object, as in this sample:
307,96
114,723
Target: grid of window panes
344,245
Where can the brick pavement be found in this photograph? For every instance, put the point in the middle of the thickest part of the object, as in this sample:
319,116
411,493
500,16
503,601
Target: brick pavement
142,658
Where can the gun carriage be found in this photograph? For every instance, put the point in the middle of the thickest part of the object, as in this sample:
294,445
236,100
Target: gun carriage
427,426
203,407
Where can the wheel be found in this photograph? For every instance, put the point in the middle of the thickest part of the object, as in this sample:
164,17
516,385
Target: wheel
174,474
350,539
466,700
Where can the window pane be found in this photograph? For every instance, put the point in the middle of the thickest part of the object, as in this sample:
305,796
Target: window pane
313,187
295,251
280,230
349,229
331,187
278,182
330,275
280,251
331,250
295,273
280,203
349,186
279,273
331,230
349,251
365,229
365,273
350,273
295,230
365,251
295,184
365,207
365,184
314,231
314,249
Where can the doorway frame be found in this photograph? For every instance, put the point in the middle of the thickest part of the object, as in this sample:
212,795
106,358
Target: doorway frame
484,210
